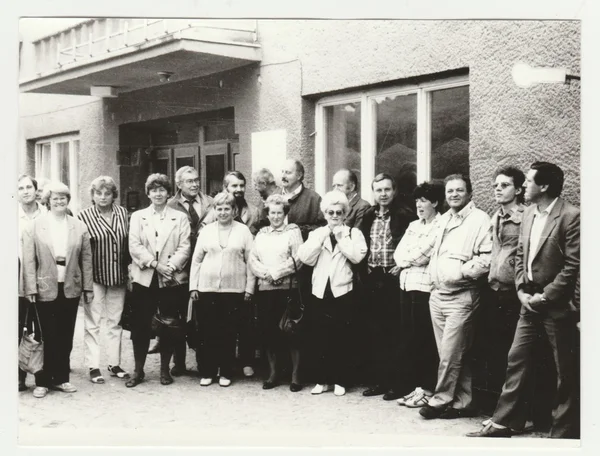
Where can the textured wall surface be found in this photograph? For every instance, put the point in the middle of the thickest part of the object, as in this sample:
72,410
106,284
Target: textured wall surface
308,59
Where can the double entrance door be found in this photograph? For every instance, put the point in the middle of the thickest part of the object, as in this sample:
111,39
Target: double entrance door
212,160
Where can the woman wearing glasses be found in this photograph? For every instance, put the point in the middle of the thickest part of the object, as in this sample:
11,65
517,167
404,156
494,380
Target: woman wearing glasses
159,244
332,250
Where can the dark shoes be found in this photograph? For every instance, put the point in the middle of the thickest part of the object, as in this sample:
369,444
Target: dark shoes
391,395
165,378
491,431
269,385
429,413
452,413
177,371
295,387
375,391
135,380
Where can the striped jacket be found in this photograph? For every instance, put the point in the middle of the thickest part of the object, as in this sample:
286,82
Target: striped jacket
109,244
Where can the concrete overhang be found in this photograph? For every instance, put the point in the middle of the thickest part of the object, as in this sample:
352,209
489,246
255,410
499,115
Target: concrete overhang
137,67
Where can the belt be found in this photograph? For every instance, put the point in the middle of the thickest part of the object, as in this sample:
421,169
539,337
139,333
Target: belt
61,262
385,270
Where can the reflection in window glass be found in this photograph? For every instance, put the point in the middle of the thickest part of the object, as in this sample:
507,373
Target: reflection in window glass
215,168
63,162
343,139
396,147
449,132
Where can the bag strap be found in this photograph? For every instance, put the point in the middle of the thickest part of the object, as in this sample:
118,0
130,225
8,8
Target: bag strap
299,293
37,316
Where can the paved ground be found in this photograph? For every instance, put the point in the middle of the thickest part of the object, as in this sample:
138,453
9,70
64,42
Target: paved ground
243,414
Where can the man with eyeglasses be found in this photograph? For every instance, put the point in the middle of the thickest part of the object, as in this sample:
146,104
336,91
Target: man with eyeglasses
190,200
503,307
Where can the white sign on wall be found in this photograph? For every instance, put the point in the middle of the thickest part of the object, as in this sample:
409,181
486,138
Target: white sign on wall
269,151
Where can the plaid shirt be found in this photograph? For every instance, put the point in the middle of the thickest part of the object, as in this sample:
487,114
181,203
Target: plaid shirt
382,249
416,238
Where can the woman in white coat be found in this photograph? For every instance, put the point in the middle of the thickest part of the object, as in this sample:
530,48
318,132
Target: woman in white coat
159,244
332,250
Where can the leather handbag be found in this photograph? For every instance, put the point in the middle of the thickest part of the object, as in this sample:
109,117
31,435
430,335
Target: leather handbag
31,351
166,325
291,320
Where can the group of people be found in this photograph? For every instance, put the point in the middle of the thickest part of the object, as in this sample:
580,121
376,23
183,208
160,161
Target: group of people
374,288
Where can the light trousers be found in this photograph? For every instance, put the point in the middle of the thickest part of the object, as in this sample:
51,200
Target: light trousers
108,302
452,317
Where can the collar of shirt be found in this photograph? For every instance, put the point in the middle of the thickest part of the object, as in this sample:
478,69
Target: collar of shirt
547,210
281,229
464,212
433,219
36,213
354,196
161,215
515,214
195,199
294,193
382,215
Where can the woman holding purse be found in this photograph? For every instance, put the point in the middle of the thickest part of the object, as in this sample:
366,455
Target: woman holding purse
331,250
274,261
159,245
57,268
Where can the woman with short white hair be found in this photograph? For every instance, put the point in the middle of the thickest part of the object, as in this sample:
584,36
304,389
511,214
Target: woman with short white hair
57,268
108,226
332,250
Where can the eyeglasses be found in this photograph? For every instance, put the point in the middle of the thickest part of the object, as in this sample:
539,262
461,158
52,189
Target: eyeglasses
502,185
332,212
191,181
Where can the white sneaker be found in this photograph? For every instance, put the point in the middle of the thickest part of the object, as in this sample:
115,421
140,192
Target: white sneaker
224,381
65,387
205,381
318,389
339,390
40,392
248,371
404,399
420,399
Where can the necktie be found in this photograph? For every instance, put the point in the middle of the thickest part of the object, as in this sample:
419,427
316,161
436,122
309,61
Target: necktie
333,241
194,217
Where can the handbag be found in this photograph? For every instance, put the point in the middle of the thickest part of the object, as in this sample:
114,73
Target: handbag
291,320
31,352
163,325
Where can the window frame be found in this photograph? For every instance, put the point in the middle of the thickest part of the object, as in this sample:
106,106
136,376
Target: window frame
368,122
54,141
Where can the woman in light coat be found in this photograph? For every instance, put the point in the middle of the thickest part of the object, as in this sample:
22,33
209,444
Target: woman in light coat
159,245
57,268
332,250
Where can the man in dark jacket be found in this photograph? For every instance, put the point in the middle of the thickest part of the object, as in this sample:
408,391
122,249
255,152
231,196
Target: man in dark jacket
346,182
383,227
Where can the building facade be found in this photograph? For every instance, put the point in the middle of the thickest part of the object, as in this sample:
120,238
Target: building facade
417,99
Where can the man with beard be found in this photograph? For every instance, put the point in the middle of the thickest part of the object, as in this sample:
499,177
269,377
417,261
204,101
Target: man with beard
195,205
305,203
234,182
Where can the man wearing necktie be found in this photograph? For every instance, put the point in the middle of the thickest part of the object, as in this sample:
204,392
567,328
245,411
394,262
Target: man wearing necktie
190,200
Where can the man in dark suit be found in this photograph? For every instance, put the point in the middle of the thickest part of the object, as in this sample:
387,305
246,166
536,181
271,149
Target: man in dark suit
546,272
346,181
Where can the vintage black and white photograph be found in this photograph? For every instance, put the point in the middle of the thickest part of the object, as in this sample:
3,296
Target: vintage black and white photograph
298,231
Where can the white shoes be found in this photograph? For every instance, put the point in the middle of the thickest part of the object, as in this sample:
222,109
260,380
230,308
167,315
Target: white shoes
224,381
205,381
339,390
248,371
40,392
65,387
318,389
416,399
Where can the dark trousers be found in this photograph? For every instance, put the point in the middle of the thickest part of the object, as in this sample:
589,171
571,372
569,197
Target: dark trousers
246,342
218,315
511,410
331,322
23,306
418,358
57,321
383,316
501,315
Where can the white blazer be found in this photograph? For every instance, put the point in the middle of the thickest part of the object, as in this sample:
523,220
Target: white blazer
172,242
332,264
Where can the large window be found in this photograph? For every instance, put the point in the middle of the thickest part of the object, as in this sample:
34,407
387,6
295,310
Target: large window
414,133
56,159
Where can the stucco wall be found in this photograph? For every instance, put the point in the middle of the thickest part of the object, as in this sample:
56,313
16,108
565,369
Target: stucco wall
508,124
